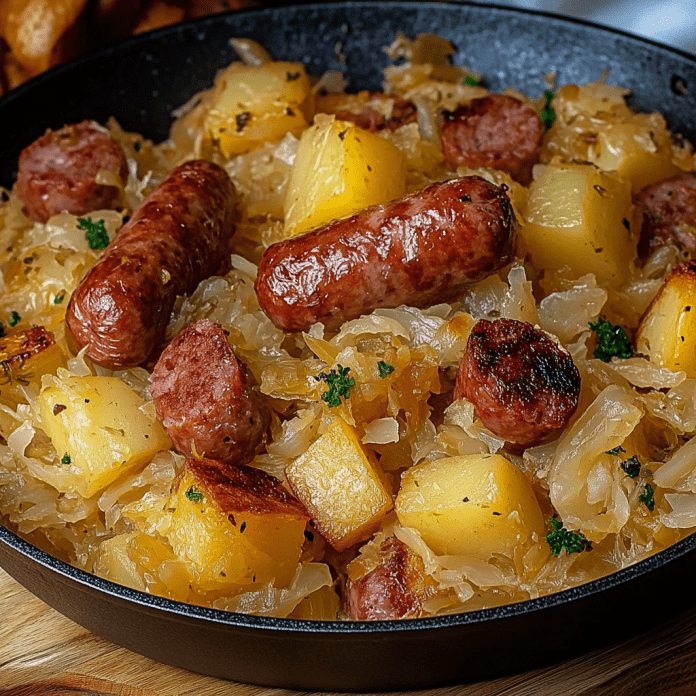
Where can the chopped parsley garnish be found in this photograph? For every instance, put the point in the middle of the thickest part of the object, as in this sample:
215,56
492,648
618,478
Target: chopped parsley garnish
648,498
471,81
339,385
561,539
631,466
95,233
59,297
193,495
384,369
612,341
616,450
14,319
548,115
65,459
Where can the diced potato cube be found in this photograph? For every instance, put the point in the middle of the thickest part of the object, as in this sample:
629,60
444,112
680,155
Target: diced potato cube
667,331
253,105
340,169
236,525
475,504
580,217
341,487
99,429
24,357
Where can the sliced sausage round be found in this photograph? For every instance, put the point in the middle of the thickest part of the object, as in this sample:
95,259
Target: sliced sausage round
420,250
177,237
203,397
668,213
57,172
395,589
403,112
524,386
496,131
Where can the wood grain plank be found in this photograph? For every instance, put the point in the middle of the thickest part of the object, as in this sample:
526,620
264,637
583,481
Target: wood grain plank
44,654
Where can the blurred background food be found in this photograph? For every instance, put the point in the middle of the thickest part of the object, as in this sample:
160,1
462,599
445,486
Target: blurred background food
38,34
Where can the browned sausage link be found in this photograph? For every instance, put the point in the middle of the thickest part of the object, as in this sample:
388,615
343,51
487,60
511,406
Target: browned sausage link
421,250
395,589
668,210
495,131
403,112
57,172
175,239
203,399
523,385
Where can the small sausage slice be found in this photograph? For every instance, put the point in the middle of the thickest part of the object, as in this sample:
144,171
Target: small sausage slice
495,131
420,250
177,237
57,172
523,385
668,210
395,589
403,112
203,398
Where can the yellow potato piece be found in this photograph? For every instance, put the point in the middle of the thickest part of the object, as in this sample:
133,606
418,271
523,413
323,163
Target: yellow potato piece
339,170
667,331
476,504
98,428
340,486
234,530
255,105
580,217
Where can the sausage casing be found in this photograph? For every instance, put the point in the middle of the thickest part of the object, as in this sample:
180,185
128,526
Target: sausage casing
176,238
420,250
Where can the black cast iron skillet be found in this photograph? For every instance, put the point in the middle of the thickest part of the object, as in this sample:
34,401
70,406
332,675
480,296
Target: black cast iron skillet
140,81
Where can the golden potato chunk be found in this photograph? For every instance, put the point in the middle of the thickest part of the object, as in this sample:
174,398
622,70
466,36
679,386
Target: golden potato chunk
236,525
580,217
99,429
341,486
340,169
476,504
667,331
253,105
24,357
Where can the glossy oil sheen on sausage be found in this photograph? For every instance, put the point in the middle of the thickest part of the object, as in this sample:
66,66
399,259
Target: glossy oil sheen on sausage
176,238
420,250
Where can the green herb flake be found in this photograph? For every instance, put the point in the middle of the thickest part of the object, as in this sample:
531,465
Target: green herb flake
14,319
194,495
612,341
384,369
471,81
95,233
548,115
631,466
59,297
65,459
560,539
339,385
616,450
648,498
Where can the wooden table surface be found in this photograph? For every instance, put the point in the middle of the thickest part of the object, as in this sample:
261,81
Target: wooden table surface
43,653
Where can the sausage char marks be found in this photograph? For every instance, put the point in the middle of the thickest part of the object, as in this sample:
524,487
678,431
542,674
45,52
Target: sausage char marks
178,237
668,211
57,172
523,385
420,250
395,589
203,398
496,131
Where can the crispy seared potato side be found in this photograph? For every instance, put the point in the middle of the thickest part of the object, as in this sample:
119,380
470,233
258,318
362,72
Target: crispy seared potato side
341,486
237,526
476,504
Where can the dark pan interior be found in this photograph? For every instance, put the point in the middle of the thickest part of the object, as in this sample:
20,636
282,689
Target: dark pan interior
140,81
